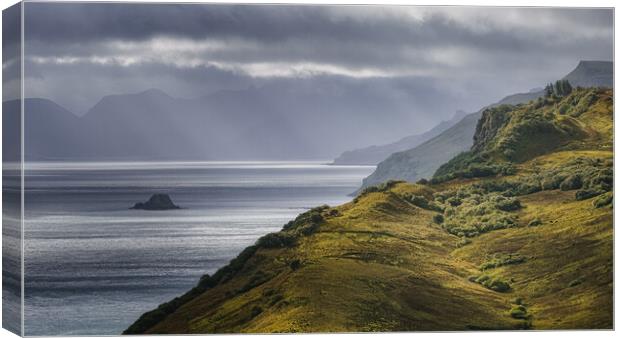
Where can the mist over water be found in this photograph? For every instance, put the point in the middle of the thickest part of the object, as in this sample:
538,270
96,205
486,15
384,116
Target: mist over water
93,266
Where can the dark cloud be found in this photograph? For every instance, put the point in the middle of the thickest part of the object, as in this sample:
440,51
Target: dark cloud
476,54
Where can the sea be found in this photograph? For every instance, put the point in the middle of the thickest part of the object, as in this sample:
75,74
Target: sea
93,266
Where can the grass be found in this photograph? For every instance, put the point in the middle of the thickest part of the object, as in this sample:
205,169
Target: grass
405,272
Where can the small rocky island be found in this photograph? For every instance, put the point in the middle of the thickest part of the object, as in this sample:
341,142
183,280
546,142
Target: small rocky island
156,202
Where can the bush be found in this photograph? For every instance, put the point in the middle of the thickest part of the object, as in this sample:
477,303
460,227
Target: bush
584,194
534,222
422,202
528,188
518,312
313,215
498,285
309,229
454,201
463,242
419,201
277,240
603,200
438,218
551,183
572,182
501,260
495,284
316,218
509,204
381,187
334,213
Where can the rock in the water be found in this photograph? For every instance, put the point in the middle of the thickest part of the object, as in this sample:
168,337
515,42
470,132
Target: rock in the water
156,202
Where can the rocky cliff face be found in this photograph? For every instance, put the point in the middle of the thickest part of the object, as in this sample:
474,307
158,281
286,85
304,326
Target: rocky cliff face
491,121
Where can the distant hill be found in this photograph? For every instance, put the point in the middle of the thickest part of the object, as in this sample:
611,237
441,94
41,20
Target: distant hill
375,154
517,233
423,160
51,129
274,121
592,74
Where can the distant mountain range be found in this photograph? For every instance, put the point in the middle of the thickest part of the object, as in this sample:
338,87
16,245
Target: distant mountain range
375,154
283,120
423,160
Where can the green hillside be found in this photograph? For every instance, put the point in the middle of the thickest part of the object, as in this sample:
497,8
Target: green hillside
515,234
423,160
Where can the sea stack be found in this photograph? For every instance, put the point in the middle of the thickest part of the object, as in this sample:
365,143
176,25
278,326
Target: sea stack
156,202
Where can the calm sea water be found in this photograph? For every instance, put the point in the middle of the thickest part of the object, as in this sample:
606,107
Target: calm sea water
92,266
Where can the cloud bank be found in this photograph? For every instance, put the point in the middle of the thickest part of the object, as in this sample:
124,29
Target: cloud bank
474,54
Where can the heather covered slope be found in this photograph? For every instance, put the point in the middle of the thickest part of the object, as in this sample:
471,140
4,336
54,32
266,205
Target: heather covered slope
493,242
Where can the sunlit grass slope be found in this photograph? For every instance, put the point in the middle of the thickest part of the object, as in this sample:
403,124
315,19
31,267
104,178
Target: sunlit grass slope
524,248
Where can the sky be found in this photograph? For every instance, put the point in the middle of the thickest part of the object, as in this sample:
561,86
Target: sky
77,53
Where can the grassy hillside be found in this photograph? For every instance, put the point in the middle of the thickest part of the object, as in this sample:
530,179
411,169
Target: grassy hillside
526,244
510,134
423,160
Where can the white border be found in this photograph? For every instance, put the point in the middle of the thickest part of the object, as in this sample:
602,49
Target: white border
506,3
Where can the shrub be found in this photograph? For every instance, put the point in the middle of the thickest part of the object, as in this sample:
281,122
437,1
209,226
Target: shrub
312,215
496,284
438,218
518,312
534,222
454,201
572,182
527,188
471,212
419,201
551,183
603,200
508,204
334,212
309,229
584,194
501,260
422,202
481,279
277,240
316,218
463,242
